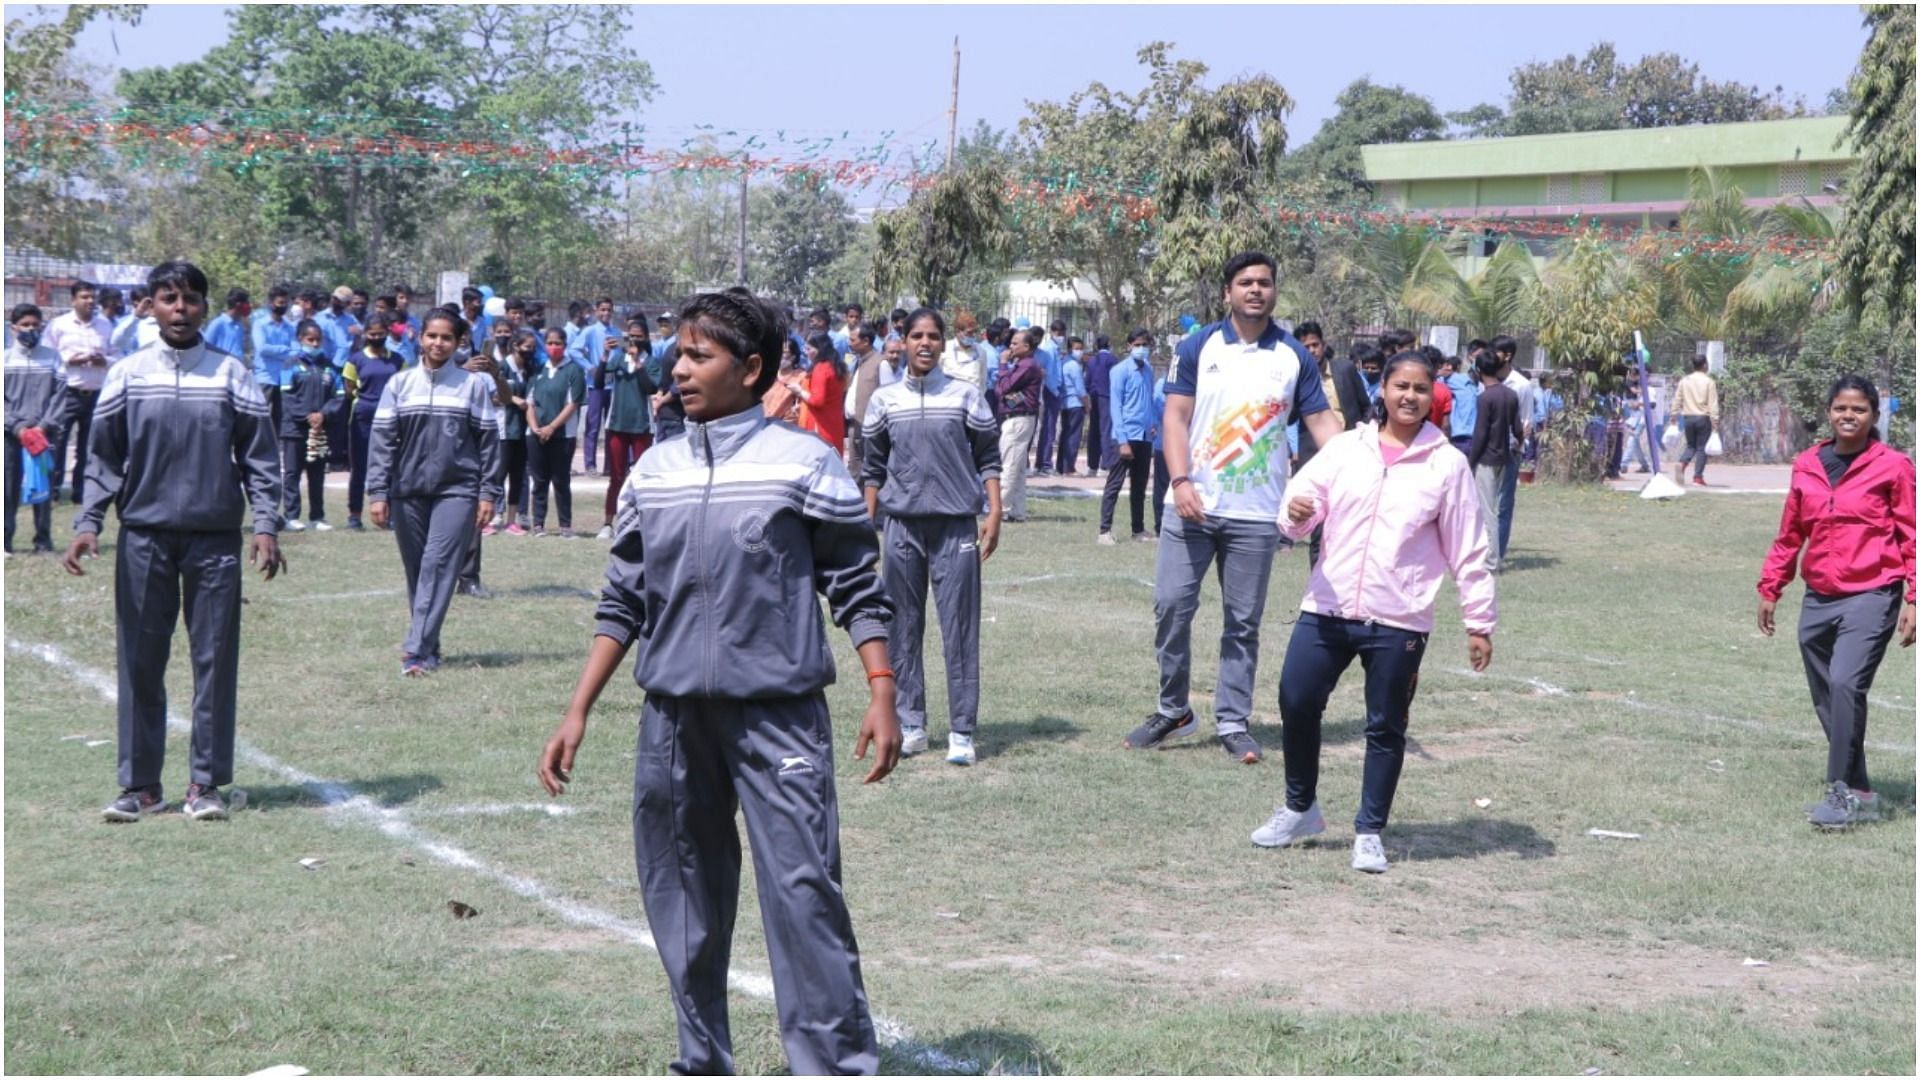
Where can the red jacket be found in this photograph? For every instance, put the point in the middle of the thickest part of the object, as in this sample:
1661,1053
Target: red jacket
1442,406
1858,534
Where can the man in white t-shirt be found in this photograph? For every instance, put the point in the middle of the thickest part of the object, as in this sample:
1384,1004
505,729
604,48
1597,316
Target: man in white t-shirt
1505,347
84,339
1235,386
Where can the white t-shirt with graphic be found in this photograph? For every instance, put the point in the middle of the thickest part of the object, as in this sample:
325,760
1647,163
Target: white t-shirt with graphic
1244,395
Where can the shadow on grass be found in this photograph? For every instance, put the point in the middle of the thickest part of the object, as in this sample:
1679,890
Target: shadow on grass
1467,838
997,738
1530,562
505,659
564,592
387,791
992,1051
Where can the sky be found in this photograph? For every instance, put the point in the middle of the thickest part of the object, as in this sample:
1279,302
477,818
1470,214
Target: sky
888,67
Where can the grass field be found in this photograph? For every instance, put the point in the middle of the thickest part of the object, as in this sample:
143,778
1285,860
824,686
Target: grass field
1062,906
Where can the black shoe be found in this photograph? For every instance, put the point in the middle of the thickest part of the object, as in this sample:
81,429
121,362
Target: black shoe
43,549
204,803
1240,747
475,590
135,804
1157,729
353,523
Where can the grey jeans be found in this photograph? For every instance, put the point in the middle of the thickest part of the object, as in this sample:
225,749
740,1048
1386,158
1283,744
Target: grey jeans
1242,554
1486,480
1842,639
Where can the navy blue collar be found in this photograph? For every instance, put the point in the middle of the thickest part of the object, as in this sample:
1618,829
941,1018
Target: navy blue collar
1270,338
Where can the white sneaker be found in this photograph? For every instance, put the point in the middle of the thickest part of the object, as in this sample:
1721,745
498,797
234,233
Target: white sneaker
913,740
1145,538
1105,539
1368,856
959,749
321,526
605,533
1290,826
293,525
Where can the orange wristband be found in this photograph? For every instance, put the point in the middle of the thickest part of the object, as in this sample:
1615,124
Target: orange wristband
883,673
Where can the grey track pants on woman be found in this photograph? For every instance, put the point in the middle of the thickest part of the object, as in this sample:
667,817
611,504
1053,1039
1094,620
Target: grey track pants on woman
433,535
1842,639
947,549
699,760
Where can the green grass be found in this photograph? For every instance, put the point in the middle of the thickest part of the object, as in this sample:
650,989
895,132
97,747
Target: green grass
1064,905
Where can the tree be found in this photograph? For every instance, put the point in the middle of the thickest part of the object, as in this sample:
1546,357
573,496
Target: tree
795,230
1493,301
1404,273
954,226
1365,114
1596,92
1877,233
1588,304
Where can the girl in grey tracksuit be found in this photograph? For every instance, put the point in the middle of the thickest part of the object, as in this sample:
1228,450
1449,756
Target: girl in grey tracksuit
434,471
930,445
723,536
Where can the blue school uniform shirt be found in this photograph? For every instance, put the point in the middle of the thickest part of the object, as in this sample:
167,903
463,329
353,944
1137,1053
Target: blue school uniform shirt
1133,419
273,348
1159,413
1466,404
1073,384
227,334
338,330
1048,356
408,344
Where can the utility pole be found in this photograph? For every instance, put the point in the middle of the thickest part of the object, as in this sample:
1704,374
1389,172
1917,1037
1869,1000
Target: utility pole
953,109
740,265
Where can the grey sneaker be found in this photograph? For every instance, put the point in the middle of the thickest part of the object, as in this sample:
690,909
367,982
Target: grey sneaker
1105,539
1368,856
913,740
1290,826
134,804
205,804
1241,747
1157,729
1836,811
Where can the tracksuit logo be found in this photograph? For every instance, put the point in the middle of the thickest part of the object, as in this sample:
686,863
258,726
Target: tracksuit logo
795,766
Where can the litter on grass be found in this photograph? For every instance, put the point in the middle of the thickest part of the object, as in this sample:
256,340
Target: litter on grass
1483,803
1716,765
462,911
91,743
1751,962
1609,834
312,864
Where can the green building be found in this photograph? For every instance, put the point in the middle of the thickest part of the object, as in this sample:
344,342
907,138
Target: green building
1634,178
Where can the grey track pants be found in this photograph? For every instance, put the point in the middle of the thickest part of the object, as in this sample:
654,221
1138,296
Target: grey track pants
153,570
948,549
1243,552
1842,639
433,536
699,760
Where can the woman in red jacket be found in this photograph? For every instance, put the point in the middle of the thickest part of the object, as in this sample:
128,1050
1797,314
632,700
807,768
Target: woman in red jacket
1851,505
823,392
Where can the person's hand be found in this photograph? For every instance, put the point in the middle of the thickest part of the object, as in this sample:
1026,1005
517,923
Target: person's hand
483,514
266,555
377,510
1299,508
87,544
314,420
1766,617
1906,626
483,365
989,536
1186,503
556,760
1125,450
1479,651
880,728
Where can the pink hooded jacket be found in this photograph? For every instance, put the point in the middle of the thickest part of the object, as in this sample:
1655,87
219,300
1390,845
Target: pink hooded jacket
1392,531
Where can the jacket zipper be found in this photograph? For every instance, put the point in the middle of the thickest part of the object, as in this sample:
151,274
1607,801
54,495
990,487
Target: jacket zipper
1366,549
700,547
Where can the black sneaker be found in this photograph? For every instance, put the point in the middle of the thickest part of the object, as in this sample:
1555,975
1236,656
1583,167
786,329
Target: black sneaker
1157,729
475,590
134,804
1240,747
354,523
204,803
1836,811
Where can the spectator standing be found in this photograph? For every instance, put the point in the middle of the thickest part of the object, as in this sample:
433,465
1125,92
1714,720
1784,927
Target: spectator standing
554,397
1073,405
1497,432
36,398
83,338
366,378
1099,408
633,377
1018,389
1696,402
822,392
1132,435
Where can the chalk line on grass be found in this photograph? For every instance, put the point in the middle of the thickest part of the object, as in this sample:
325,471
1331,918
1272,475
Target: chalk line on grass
365,594
339,797
495,810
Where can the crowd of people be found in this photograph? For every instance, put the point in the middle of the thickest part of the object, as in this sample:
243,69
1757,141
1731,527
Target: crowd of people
872,464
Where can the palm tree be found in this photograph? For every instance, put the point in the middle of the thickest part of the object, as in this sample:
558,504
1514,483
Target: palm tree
1405,273
1493,301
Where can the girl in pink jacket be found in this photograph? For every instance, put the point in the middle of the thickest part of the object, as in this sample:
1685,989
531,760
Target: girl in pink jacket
1399,510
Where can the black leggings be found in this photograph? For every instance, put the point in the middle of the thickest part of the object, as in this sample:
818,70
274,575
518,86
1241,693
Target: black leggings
552,463
514,453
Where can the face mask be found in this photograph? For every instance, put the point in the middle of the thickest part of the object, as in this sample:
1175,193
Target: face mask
556,353
1138,355
312,354
27,338
966,342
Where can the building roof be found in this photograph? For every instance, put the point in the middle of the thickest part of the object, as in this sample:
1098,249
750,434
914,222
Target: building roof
1761,142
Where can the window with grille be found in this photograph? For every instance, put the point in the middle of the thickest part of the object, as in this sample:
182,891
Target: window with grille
1832,175
1392,194
1559,189
1593,188
1795,179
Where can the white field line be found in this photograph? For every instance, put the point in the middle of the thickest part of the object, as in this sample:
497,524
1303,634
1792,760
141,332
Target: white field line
1551,690
366,594
1038,578
496,810
360,809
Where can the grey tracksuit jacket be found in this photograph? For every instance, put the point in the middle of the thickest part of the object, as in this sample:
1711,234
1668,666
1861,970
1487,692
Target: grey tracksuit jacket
177,433
435,433
722,537
931,442
36,390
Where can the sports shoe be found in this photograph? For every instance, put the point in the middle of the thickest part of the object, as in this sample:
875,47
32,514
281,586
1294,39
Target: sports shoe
414,667
959,749
320,525
539,531
474,589
1699,482
913,740
1105,539
1240,746
293,525
1145,538
1836,811
488,529
134,804
605,533
516,529
1157,729
1287,827
354,523
1368,856
204,803
566,532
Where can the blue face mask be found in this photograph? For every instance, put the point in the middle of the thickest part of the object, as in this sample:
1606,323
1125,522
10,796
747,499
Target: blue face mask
1138,355
313,356
27,338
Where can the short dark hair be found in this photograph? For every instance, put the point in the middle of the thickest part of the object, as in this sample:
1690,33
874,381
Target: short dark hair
451,318
1140,334
1434,356
897,314
1699,363
1397,341
1490,363
1102,341
1366,353
178,274
138,293
79,287
1475,346
363,294
1058,326
820,313
237,296
852,309
1072,341
110,296
1505,345
607,300
865,333
1245,259
398,289
21,311
1308,327
515,303
278,291
469,293
744,325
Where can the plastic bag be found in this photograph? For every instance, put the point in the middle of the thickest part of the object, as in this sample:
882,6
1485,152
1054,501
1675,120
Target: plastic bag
36,477
1714,449
1673,440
